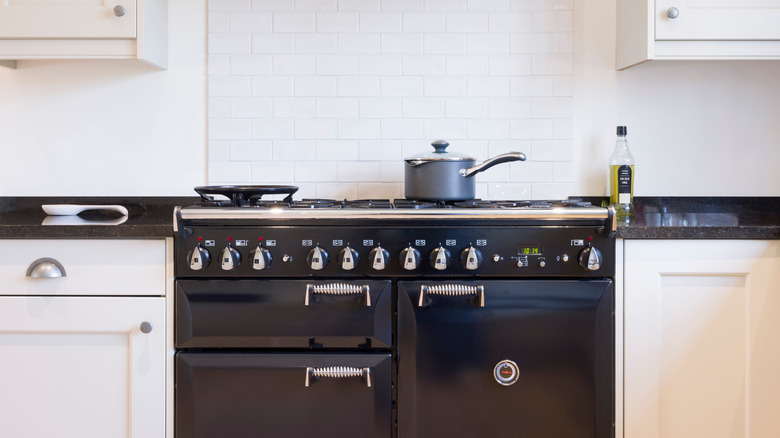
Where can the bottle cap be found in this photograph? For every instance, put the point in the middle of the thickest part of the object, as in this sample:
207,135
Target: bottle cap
621,130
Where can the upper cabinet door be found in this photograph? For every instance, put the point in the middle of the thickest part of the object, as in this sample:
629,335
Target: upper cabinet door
730,20
68,19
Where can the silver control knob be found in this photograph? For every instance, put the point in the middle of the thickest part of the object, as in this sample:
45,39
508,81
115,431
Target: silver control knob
230,258
590,258
379,258
199,258
317,258
542,263
348,258
471,258
565,258
410,258
672,12
261,258
440,258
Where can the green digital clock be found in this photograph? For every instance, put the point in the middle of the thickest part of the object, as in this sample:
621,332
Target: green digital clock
529,250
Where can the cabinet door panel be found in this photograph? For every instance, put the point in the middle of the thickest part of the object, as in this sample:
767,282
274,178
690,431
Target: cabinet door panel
718,20
67,19
81,367
701,356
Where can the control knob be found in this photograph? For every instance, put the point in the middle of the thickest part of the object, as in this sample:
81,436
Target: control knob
261,258
230,258
410,258
348,258
379,258
199,258
471,258
440,258
590,258
317,258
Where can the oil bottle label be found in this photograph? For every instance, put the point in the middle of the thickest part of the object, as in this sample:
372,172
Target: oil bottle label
624,175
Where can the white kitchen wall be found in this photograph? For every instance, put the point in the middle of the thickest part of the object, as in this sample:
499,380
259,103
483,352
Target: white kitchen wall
108,127
331,95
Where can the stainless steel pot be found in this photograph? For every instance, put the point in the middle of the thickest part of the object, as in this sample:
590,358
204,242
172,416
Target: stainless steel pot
446,176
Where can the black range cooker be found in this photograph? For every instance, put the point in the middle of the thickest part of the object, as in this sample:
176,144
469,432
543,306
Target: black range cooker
379,318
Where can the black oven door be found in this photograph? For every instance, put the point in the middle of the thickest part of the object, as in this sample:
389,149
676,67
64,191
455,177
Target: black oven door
285,395
283,314
506,359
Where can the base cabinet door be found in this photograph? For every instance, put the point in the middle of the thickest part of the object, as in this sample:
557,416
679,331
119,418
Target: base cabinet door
702,357
82,367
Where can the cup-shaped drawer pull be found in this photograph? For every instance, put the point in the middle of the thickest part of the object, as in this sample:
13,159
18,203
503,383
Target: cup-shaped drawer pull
313,374
337,289
46,268
453,290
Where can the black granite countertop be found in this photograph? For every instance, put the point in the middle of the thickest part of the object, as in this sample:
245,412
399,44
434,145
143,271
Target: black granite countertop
703,218
148,217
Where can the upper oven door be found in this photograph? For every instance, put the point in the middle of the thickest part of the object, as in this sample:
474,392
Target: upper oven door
506,359
283,314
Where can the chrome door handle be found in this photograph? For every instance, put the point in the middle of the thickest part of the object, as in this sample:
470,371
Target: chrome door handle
452,290
46,268
336,289
313,374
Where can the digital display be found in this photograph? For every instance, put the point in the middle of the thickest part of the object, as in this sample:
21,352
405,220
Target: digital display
529,250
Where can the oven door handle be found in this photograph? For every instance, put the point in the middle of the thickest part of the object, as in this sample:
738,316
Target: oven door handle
452,290
313,374
337,289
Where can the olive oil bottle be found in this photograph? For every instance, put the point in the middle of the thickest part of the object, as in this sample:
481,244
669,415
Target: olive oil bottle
621,176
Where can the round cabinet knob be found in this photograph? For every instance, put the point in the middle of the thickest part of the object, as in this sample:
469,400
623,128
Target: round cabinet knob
471,258
590,258
119,11
672,12
410,258
348,258
146,327
261,258
317,258
230,258
440,258
379,258
199,258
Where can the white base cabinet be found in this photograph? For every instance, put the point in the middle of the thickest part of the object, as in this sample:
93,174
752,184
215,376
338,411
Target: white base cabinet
84,354
701,329
696,29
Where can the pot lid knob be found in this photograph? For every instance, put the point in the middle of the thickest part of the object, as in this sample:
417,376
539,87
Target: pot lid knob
440,146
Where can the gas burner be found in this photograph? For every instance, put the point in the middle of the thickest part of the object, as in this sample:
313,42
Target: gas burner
513,204
316,203
239,196
368,203
409,203
476,203
575,203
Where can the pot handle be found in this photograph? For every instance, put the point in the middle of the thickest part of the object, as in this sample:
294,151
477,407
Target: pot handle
487,164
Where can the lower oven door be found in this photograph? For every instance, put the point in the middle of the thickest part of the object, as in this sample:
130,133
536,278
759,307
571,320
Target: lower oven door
506,359
253,395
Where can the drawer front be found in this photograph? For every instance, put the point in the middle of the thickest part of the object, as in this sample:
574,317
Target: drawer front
68,19
729,20
91,267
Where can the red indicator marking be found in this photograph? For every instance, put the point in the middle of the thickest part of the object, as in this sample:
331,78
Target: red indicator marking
199,238
230,239
506,372
260,238
590,238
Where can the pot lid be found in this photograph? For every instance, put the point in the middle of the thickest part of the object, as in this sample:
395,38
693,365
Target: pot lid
439,154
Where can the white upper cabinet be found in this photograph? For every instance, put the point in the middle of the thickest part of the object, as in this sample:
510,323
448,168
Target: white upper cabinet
84,29
697,29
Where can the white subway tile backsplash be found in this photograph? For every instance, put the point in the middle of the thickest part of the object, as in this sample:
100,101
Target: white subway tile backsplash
250,22
337,108
273,43
358,86
466,22
316,43
316,129
251,107
250,150
359,5
373,22
338,22
316,86
316,5
331,95
338,65
285,22
423,22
